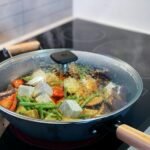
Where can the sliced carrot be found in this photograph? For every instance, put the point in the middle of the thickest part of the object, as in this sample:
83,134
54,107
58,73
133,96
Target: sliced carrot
14,104
7,102
16,83
58,92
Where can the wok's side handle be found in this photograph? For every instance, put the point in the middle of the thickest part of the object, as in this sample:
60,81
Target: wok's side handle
23,47
133,137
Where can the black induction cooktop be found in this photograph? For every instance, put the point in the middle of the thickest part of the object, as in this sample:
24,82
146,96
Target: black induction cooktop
132,47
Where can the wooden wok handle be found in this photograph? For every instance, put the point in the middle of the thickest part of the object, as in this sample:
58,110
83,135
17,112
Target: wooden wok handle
133,137
23,47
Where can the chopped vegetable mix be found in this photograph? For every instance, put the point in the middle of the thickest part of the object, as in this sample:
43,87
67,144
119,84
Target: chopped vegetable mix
83,92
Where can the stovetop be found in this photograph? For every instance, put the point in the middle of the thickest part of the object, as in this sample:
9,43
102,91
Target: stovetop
131,47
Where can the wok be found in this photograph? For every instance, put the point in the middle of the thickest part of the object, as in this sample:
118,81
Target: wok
120,72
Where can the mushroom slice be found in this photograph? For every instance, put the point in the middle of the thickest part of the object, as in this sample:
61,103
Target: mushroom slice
104,109
115,102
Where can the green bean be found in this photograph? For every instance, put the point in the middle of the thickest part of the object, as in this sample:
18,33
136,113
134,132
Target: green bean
79,98
76,98
45,112
84,116
27,78
44,106
58,104
89,99
57,113
41,113
83,71
25,99
71,97
51,115
54,113
38,105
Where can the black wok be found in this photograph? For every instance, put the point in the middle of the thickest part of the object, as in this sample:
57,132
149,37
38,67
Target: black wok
120,72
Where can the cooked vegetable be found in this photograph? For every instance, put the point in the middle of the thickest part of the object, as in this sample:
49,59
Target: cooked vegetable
24,90
35,80
7,93
94,95
14,104
90,112
95,101
83,92
21,109
33,113
71,85
115,101
27,78
52,79
25,99
43,98
90,84
49,105
58,92
42,88
9,102
53,115
104,109
70,108
16,83
110,87
83,71
39,73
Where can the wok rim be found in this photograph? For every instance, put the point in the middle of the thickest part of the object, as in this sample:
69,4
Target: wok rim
105,116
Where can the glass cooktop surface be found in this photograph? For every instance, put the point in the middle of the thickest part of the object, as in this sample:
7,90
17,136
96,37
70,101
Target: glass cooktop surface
132,47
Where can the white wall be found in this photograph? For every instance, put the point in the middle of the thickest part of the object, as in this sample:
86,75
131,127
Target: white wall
19,17
130,14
